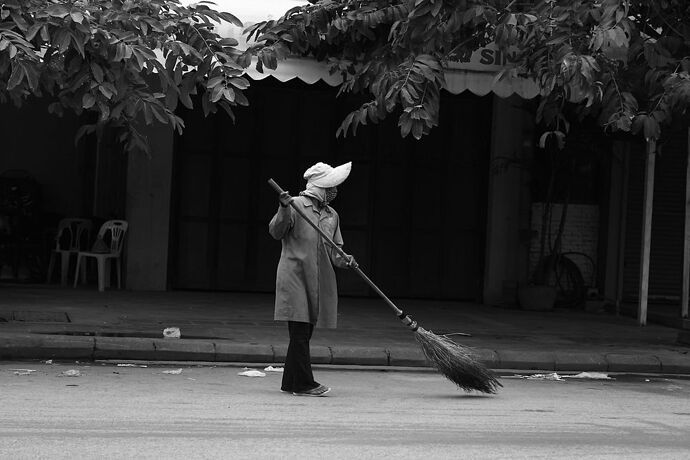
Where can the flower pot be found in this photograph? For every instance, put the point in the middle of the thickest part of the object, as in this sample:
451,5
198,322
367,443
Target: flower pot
537,297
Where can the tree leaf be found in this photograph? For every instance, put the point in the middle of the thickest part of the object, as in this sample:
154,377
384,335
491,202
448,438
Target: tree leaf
228,110
33,30
229,94
240,98
228,41
106,91
231,19
216,93
97,72
159,114
57,10
76,16
32,76
239,82
16,76
215,81
88,100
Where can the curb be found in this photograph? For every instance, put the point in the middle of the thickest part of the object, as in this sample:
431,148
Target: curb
17,346
684,337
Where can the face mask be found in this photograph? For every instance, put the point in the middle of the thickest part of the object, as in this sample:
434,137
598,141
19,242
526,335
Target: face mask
331,193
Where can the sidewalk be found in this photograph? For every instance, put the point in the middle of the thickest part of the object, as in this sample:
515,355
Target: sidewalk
49,322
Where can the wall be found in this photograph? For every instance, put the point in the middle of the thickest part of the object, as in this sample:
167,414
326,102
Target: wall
508,203
43,145
148,212
581,234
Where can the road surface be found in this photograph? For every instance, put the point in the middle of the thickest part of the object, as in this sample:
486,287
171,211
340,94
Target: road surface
212,412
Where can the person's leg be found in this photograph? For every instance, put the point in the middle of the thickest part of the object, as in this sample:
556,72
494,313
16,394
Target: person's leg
297,374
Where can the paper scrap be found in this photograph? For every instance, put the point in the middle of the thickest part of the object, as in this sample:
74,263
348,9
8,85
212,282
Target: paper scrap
553,376
71,373
590,375
171,333
273,369
23,371
173,371
252,373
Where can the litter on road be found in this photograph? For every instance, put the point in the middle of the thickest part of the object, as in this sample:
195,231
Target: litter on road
23,371
171,333
173,371
590,375
273,369
252,373
71,373
552,376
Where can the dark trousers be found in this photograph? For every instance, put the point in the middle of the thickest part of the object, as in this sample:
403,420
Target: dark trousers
297,375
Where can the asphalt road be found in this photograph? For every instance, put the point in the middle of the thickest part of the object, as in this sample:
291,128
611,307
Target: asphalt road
212,412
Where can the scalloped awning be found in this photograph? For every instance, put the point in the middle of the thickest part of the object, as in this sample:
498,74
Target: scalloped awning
459,77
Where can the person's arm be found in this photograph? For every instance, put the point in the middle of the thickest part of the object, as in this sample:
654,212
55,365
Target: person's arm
283,220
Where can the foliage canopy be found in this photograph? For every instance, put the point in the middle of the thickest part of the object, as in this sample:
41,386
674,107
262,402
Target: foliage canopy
625,62
120,60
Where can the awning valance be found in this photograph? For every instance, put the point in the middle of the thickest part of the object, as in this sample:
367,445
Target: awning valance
458,80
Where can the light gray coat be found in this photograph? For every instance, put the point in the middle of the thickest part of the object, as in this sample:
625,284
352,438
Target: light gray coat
306,288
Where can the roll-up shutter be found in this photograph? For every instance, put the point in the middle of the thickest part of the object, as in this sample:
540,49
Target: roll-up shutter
412,212
666,255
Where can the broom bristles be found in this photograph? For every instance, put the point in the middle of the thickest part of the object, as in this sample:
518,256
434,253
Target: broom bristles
456,363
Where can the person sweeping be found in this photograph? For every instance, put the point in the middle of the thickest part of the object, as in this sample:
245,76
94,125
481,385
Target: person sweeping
306,265
306,291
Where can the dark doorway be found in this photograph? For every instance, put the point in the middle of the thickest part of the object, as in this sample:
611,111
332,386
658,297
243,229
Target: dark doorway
412,212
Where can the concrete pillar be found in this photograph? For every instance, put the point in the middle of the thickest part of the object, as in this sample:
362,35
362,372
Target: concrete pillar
148,212
508,209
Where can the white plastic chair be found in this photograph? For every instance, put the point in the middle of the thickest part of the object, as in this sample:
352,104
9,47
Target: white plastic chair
113,250
71,234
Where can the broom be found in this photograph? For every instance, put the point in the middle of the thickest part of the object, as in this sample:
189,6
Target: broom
454,361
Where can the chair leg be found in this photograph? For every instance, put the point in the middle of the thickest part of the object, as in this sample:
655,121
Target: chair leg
101,273
107,264
64,267
51,265
76,271
119,273
83,270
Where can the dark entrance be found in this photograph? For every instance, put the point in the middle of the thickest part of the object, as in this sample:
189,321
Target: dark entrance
412,212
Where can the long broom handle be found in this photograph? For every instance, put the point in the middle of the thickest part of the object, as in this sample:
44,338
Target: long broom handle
400,314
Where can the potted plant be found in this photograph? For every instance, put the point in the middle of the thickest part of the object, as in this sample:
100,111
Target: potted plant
554,276
557,174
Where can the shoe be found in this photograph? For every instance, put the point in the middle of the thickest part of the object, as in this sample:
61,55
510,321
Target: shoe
318,391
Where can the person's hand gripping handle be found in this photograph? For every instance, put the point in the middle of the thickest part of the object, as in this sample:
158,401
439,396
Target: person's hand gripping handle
286,200
283,196
351,260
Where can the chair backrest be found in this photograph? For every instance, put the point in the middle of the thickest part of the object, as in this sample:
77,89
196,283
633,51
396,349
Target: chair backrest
71,233
117,229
